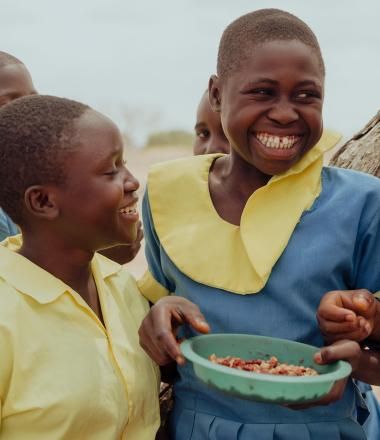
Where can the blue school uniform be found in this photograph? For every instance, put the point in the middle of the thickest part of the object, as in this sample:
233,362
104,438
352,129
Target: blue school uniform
335,245
7,226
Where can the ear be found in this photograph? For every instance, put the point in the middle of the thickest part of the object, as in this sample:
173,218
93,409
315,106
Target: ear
214,93
40,201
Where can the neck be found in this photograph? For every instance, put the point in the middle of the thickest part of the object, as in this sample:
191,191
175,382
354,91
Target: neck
231,182
241,177
69,264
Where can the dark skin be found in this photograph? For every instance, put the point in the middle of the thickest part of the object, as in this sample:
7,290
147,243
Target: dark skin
271,113
125,253
15,82
62,226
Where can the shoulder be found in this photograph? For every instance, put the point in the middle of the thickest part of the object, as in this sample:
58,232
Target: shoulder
351,194
352,177
122,285
175,171
352,184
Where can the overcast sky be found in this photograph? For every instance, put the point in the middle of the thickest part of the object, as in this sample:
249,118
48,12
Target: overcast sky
145,63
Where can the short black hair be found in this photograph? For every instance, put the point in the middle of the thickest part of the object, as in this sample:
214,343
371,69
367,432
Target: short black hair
7,58
36,134
258,27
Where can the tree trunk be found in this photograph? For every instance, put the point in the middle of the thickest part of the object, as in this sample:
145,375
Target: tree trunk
362,151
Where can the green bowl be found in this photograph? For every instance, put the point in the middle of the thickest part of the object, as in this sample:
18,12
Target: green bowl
261,387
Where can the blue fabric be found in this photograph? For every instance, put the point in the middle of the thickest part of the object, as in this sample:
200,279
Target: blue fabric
7,226
372,423
335,246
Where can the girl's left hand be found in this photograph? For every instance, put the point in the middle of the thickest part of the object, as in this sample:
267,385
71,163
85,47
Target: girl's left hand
346,350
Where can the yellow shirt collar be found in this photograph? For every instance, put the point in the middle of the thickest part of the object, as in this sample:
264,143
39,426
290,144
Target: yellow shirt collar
37,282
214,252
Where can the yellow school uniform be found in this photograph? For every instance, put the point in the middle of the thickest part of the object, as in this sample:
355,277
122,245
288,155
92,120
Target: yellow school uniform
63,374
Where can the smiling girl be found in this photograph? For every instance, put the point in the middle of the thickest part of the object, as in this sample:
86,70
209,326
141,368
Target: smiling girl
257,237
71,366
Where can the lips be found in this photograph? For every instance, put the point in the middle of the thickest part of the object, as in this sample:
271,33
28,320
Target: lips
277,142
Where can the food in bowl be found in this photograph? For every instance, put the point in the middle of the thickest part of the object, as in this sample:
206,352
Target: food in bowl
263,366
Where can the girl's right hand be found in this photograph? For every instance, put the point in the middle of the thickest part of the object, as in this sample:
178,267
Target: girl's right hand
159,328
347,314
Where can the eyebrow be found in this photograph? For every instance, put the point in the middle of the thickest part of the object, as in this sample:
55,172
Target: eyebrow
200,124
113,154
262,80
307,82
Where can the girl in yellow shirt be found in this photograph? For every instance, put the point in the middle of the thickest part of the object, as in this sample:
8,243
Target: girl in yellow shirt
71,366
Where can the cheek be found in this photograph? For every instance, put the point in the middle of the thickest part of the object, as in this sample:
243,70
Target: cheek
199,147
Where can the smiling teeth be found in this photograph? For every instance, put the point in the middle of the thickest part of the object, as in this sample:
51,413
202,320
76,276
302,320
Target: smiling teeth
272,141
128,210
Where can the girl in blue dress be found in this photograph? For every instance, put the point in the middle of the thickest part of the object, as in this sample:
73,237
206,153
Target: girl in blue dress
257,237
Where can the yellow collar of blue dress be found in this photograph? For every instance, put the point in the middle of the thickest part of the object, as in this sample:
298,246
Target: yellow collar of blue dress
216,253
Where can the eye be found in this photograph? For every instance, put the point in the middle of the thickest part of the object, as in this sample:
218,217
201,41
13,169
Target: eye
203,134
111,173
262,93
307,95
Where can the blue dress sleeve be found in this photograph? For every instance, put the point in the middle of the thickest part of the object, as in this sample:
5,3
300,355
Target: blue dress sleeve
154,284
367,256
7,226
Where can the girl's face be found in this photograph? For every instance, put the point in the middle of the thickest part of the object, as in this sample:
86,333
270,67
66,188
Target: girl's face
271,106
210,137
97,201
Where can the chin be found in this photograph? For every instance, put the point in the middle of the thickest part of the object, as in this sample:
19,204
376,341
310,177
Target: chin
131,236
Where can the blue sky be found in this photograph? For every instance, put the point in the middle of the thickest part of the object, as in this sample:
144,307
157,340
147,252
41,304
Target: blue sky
146,63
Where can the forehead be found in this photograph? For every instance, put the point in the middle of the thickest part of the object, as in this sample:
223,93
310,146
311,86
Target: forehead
281,60
96,136
204,108
15,78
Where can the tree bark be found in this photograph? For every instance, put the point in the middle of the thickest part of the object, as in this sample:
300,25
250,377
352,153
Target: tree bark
362,151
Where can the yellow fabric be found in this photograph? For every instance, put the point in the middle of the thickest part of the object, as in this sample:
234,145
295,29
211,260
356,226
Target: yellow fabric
150,288
235,258
63,375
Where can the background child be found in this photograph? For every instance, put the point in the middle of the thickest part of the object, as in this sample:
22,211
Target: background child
71,366
257,252
15,81
209,134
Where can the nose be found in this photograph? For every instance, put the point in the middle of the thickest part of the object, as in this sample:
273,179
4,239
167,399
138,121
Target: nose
130,182
283,112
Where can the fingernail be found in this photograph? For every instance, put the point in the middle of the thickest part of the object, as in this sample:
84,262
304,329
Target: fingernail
318,358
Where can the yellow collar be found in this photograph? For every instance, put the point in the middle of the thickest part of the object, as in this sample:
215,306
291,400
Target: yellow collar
37,282
214,252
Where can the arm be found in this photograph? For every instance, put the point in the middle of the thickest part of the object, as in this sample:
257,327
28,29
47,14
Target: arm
159,328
